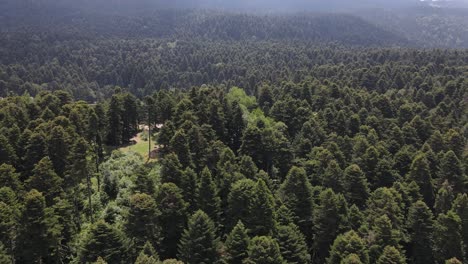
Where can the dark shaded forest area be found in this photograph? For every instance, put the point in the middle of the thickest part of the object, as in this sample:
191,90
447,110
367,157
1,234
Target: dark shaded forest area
279,139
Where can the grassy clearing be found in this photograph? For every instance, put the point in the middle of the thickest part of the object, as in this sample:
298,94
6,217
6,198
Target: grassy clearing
141,146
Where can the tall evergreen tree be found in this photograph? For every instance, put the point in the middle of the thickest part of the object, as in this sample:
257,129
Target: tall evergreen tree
171,170
207,197
447,237
58,149
293,246
263,210
170,203
45,180
296,194
391,255
264,250
345,244
237,244
36,149
10,178
141,225
33,243
104,241
355,185
327,223
420,173
199,243
420,229
460,206
451,170
180,146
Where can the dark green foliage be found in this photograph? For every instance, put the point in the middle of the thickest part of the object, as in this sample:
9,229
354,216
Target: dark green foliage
447,237
391,255
237,244
4,257
198,243
451,171
141,225
33,239
460,206
346,244
207,195
293,246
7,152
376,130
9,177
45,180
264,250
170,202
171,170
180,146
355,185
328,222
420,225
296,194
422,176
104,241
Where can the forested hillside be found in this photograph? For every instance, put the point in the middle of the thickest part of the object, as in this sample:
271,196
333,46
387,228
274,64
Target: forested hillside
194,137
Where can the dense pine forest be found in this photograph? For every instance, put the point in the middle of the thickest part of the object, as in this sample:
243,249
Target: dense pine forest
215,137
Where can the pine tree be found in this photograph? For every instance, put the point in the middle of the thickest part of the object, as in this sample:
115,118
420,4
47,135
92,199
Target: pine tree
180,146
237,244
104,241
447,237
391,255
247,167
235,127
207,197
144,183
32,240
241,202
170,202
10,178
444,199
198,147
58,149
264,250
190,188
386,201
355,185
7,152
165,135
351,259
333,177
460,206
381,235
420,229
171,170
451,170
4,257
45,180
115,121
293,246
327,222
141,223
345,244
199,243
100,261
420,173
296,194
263,210
36,149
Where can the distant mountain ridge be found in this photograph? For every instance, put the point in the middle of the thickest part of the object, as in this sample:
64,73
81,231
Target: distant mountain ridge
413,23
